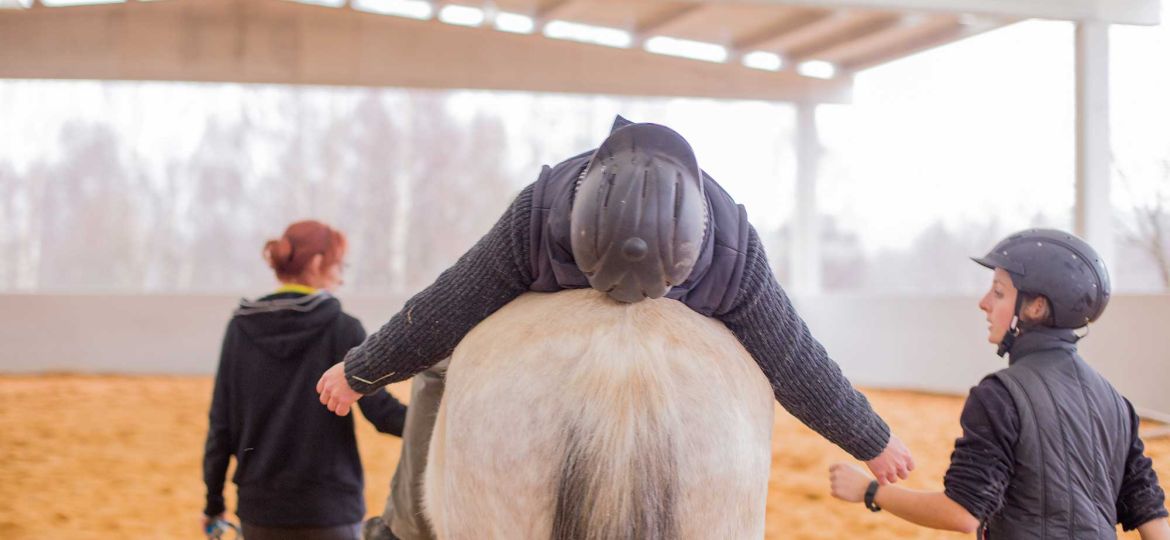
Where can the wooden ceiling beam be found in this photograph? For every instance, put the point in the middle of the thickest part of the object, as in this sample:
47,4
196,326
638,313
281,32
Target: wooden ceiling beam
765,38
851,28
281,42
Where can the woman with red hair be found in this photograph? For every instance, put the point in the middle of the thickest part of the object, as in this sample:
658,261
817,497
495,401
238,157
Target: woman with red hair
298,472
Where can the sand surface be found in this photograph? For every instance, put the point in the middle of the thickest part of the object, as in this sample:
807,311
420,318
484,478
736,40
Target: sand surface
96,457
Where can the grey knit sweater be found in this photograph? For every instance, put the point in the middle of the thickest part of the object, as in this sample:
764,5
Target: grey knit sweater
495,271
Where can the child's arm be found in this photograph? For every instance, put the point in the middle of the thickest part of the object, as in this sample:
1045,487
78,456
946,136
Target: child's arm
491,274
926,508
805,380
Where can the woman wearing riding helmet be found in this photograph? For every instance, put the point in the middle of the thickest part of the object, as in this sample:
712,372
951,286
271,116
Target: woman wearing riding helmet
298,471
1049,448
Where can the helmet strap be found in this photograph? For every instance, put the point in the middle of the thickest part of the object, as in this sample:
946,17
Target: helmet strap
1013,331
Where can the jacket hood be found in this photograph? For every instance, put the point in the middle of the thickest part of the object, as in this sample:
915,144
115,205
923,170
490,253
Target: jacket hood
283,324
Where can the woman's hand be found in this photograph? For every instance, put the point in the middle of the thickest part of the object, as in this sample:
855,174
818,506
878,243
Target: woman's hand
335,391
848,482
207,521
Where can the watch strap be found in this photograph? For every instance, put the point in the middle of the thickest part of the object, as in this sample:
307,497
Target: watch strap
870,493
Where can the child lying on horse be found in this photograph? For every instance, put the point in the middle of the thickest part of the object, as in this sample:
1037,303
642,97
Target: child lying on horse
636,218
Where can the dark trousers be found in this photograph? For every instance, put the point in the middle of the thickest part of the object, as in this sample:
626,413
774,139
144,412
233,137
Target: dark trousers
403,512
340,532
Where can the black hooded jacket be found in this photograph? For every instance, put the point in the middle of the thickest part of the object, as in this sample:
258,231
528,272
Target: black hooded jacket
297,464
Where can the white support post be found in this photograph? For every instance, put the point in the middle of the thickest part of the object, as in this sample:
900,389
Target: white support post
804,260
1093,210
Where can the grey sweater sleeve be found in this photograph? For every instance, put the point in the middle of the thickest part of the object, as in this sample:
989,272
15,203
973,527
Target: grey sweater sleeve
805,380
494,272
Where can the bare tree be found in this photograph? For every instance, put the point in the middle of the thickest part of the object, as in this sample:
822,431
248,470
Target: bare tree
1150,231
89,222
458,184
368,148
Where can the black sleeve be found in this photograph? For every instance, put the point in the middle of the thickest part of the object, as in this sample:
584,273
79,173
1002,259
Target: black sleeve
1141,498
218,449
494,272
804,379
982,464
384,411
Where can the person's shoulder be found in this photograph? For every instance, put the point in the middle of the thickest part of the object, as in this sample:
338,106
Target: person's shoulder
573,165
348,321
991,384
991,394
348,325
990,389
233,322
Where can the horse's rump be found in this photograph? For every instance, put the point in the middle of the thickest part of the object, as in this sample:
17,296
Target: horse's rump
571,416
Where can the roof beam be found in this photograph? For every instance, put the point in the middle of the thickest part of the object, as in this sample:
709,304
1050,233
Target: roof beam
928,36
938,35
550,10
824,30
1143,12
766,38
662,22
852,27
280,42
909,29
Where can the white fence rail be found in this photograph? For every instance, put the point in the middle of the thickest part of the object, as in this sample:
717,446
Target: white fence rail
935,344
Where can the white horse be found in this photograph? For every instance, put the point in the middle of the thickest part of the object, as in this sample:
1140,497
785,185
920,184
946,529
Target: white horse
573,417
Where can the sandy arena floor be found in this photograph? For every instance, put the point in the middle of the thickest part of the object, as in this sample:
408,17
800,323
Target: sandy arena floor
117,457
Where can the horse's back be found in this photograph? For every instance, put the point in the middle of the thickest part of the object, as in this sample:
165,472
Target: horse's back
569,415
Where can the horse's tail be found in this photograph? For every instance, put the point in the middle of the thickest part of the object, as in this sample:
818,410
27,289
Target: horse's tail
619,471
617,484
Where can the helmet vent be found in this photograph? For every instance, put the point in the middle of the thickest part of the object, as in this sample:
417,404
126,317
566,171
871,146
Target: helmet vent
610,178
678,194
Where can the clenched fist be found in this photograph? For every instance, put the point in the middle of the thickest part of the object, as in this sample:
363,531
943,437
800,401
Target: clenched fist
335,391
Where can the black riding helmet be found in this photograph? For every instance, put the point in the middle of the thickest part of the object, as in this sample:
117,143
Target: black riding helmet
639,213
1063,268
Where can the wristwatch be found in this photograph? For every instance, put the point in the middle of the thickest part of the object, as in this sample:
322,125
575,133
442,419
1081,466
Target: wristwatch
870,492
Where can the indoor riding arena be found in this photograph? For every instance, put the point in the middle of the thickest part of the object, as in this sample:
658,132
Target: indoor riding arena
153,155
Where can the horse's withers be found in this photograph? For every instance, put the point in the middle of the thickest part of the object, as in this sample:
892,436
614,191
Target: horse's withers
571,416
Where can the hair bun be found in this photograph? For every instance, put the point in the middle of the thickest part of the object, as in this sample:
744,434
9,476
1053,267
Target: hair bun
278,253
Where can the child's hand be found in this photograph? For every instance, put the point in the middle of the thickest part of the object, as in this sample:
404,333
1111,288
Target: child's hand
848,482
893,463
335,391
